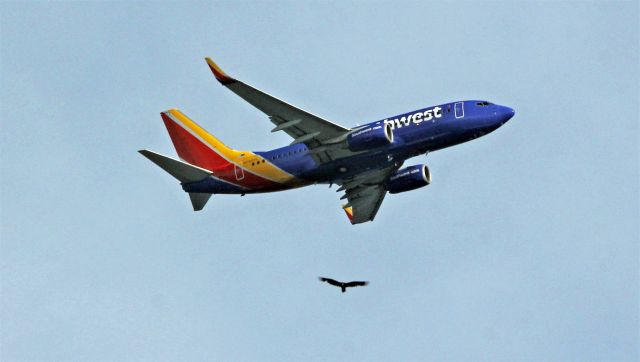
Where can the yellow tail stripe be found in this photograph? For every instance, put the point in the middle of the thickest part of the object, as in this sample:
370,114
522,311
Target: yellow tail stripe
204,135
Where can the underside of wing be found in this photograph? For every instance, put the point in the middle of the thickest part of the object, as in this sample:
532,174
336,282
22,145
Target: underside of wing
365,207
318,134
365,193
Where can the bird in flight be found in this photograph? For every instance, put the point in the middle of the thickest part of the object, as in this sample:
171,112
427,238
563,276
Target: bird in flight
342,285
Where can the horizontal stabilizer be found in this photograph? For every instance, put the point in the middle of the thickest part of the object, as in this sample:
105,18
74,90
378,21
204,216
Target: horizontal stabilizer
198,200
184,172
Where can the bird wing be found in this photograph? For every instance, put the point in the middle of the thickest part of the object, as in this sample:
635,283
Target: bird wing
330,281
356,284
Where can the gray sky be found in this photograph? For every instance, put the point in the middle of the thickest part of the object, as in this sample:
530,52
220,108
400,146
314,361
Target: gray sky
525,246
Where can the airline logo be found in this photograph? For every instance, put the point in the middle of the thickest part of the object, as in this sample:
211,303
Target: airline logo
365,130
405,173
415,118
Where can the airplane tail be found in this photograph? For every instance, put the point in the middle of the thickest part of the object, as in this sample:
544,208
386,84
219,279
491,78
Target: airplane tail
195,145
202,154
184,172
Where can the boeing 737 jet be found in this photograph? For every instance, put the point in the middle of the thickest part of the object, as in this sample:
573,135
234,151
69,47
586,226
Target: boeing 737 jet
364,161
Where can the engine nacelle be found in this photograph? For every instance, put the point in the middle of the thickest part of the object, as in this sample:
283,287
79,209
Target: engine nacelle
408,178
370,137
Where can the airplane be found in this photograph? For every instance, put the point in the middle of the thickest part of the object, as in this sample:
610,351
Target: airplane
364,161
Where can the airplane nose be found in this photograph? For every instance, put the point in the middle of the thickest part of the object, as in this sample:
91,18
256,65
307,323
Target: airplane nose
512,112
505,113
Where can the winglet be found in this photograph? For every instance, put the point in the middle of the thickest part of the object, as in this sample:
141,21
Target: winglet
349,211
221,76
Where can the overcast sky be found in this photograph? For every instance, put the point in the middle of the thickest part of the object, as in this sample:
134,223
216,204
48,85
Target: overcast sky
524,248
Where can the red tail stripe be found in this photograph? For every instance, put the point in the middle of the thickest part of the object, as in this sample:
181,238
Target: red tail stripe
192,150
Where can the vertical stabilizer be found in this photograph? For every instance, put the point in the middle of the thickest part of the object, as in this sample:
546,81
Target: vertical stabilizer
195,145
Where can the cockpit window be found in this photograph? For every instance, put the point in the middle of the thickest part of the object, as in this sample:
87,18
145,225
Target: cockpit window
483,103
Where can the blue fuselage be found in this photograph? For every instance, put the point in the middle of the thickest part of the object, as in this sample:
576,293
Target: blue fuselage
414,133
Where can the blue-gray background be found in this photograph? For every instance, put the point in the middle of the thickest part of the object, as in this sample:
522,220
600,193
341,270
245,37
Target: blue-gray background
525,247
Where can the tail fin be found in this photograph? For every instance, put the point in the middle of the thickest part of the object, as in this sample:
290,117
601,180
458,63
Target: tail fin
195,145
184,172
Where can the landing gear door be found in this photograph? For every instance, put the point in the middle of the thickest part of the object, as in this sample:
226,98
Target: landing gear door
459,109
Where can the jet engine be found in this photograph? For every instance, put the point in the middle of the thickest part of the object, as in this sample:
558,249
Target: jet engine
408,178
370,137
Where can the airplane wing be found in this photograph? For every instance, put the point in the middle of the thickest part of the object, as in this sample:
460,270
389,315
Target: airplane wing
304,127
365,193
364,205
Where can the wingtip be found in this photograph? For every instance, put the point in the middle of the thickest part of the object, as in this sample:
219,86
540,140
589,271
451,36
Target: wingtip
146,153
220,75
349,211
